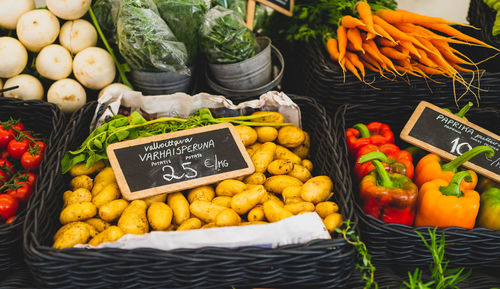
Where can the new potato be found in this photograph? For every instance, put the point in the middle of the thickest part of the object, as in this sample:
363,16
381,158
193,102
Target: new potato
255,179
290,136
277,184
317,189
266,133
159,216
111,234
79,169
99,224
282,153
271,116
300,173
77,212
246,200
230,188
205,210
333,222
82,181
205,193
77,196
247,134
326,208
157,198
133,219
227,217
180,207
280,167
263,156
102,179
190,224
299,207
256,214
223,201
76,234
275,212
111,211
106,195
92,230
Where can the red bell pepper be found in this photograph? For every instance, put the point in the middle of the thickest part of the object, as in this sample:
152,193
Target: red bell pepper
393,159
360,135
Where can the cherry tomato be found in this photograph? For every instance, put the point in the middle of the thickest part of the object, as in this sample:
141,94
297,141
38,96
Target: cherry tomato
6,166
30,177
30,161
6,135
22,193
41,145
4,154
19,126
8,206
18,147
10,220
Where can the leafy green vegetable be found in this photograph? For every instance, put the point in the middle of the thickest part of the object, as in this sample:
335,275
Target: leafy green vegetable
184,17
225,38
240,7
106,12
120,128
146,42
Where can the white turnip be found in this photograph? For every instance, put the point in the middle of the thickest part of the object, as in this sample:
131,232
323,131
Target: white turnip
13,57
67,94
68,9
77,35
114,88
11,10
29,87
94,68
54,62
37,29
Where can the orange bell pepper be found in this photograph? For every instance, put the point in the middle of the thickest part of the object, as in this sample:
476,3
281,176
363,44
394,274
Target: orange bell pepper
442,204
430,167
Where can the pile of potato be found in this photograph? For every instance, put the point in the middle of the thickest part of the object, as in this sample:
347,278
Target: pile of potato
282,186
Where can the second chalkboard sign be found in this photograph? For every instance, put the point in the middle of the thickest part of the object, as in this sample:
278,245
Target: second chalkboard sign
448,136
177,161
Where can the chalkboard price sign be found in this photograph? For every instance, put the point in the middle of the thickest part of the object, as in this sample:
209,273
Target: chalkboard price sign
282,6
177,161
448,136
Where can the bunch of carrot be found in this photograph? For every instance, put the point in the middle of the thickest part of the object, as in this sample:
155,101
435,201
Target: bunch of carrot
399,42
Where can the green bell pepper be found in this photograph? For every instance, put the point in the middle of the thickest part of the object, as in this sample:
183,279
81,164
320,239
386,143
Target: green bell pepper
489,209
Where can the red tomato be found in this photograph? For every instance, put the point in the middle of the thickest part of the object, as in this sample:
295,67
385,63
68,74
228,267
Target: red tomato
30,177
6,135
8,206
42,145
19,126
18,147
22,193
6,166
4,154
10,220
30,161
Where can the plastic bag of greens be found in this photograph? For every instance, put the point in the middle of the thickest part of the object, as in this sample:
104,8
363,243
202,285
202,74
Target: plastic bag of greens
106,12
146,42
225,38
184,17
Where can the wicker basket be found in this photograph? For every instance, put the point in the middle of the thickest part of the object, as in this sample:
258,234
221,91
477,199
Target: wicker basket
324,81
43,118
319,263
399,244
483,17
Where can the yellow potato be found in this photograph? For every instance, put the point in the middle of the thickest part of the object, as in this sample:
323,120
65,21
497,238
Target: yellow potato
291,192
263,157
227,217
253,148
99,224
255,179
293,200
274,212
302,151
282,153
299,207
230,188
77,196
79,169
106,195
246,200
111,211
133,219
66,195
111,234
82,181
300,173
307,164
253,223
273,197
209,225
333,222
223,201
326,208
190,224
247,134
256,214
280,167
92,230
102,179
205,193
77,212
266,133
76,234
272,116
277,184
317,189
159,216
180,206
158,198
290,136
205,210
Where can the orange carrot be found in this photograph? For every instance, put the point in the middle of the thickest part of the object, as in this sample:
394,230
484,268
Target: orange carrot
408,45
403,16
331,46
459,68
354,37
455,33
370,59
353,58
395,32
349,66
342,41
365,12
383,33
351,22
424,59
370,36
372,52
369,66
393,53
428,70
384,59
384,42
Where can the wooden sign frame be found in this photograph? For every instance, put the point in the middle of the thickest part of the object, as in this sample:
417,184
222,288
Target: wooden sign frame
251,10
405,135
183,185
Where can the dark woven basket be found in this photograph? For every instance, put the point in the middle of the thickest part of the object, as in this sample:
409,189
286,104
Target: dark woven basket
43,118
319,263
399,244
483,17
324,81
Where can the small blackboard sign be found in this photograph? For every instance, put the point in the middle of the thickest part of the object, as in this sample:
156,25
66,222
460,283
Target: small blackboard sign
177,161
282,6
448,136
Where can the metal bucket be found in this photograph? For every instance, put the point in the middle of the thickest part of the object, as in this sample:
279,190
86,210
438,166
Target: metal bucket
156,83
247,74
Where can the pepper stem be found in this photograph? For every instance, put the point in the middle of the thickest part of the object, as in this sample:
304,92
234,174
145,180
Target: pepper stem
464,110
383,178
460,160
363,130
453,188
380,156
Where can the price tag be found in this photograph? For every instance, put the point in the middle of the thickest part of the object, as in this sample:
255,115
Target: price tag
177,161
447,135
